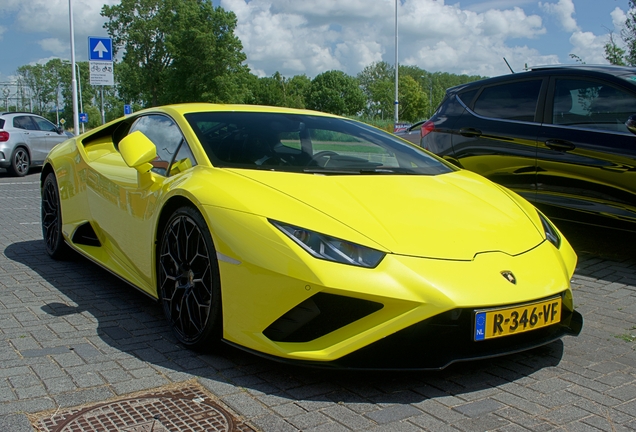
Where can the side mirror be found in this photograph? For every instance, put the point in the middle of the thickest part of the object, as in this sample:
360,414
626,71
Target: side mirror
138,151
631,123
59,130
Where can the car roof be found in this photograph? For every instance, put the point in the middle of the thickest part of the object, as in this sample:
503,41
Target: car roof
608,69
186,108
626,73
18,112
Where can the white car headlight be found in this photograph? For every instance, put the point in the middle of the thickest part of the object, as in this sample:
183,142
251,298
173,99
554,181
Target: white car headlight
551,232
330,248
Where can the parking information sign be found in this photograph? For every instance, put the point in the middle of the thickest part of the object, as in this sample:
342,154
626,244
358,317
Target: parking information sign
100,56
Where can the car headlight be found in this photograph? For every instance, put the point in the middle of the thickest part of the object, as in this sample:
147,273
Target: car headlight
551,232
330,248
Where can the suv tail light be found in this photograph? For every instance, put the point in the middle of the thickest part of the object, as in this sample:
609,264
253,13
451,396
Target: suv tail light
4,136
427,128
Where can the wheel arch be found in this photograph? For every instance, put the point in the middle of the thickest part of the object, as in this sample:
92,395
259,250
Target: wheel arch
169,208
46,170
26,148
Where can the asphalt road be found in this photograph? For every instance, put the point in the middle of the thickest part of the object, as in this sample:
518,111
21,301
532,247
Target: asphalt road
73,335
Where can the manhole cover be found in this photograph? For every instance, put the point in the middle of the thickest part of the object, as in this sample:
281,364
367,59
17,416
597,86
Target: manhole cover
184,410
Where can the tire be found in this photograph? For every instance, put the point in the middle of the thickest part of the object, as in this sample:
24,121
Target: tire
52,220
189,285
20,162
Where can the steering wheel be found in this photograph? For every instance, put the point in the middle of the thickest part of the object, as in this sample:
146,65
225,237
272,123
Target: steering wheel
322,155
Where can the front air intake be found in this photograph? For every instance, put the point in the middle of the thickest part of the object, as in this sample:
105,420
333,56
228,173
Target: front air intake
318,316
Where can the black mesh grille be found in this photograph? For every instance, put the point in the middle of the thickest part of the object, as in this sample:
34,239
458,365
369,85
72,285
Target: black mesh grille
317,316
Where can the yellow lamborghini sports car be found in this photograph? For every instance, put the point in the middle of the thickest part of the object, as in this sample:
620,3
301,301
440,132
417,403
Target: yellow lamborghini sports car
309,238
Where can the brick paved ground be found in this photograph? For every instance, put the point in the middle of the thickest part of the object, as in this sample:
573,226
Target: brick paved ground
72,334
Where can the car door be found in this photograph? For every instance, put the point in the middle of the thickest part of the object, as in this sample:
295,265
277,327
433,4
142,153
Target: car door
496,136
51,138
586,156
124,209
32,136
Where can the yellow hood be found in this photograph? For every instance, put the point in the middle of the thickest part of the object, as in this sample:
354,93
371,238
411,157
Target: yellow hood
449,216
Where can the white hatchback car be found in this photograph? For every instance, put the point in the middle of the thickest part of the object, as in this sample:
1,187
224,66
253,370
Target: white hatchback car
25,140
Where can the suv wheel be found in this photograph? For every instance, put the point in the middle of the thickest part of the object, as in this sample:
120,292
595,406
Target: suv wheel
20,162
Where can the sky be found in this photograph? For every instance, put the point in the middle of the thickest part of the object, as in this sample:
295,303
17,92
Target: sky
309,37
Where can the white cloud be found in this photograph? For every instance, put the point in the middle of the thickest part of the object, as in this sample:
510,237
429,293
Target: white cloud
484,6
618,19
589,47
564,11
54,45
295,37
307,37
51,18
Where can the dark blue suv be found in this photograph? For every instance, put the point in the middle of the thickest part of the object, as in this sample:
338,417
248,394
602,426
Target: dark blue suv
561,136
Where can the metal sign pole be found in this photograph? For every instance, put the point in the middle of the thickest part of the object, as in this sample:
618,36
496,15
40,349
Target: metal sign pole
103,113
73,77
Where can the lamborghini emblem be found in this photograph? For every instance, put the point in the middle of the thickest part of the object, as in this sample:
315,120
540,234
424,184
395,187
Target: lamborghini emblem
509,277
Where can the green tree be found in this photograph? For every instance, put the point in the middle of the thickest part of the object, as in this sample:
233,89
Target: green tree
177,51
269,91
629,34
377,81
140,28
280,91
413,104
613,53
207,56
337,93
37,79
296,91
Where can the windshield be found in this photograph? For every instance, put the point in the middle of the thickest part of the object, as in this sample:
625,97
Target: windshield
305,143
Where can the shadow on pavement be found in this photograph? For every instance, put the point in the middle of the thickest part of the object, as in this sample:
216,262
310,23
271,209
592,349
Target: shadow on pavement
128,321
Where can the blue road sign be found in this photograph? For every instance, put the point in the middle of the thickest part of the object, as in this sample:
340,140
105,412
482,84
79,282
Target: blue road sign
83,117
100,48
127,109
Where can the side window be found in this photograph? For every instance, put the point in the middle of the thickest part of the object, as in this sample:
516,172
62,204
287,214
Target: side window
24,122
591,104
44,125
512,101
467,96
173,152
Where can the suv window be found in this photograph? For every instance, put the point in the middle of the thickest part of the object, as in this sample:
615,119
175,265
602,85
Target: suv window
24,122
467,96
591,104
44,124
511,101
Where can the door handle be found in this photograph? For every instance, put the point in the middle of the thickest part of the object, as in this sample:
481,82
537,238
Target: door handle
470,132
560,145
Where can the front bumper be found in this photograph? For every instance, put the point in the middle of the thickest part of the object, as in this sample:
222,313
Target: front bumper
438,342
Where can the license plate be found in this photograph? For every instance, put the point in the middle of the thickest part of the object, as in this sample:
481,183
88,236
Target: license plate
494,323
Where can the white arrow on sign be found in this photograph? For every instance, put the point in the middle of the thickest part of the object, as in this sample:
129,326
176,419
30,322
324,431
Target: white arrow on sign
100,49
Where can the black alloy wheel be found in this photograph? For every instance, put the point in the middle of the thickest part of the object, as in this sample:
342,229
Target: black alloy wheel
188,280
52,220
20,162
